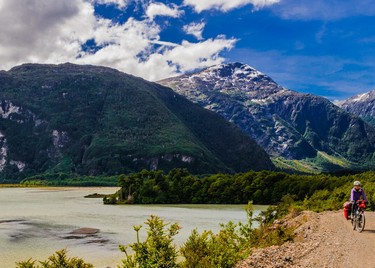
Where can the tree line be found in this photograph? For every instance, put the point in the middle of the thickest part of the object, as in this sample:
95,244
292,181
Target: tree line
264,187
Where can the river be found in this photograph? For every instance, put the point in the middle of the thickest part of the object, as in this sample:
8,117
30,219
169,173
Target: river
34,223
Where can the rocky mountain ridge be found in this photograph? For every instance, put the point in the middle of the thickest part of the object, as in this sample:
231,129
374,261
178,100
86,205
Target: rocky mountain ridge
289,125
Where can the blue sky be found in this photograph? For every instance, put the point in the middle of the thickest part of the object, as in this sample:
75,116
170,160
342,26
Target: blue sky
323,47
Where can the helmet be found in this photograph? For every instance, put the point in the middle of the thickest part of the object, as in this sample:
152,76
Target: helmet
357,183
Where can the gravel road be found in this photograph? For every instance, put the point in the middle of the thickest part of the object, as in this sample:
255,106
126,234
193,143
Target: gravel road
323,240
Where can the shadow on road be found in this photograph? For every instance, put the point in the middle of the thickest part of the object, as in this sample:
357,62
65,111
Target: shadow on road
368,231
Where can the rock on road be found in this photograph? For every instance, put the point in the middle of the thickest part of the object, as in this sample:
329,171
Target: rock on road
324,240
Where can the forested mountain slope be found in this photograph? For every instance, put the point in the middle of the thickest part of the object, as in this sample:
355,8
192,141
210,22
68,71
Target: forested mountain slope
96,120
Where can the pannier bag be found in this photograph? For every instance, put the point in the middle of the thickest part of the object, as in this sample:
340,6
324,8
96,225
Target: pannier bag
347,208
362,204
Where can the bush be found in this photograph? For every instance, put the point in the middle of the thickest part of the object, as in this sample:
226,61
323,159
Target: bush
157,251
209,250
110,200
58,260
224,250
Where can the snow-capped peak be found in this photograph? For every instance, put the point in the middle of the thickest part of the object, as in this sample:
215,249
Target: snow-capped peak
233,76
360,97
232,71
236,69
362,105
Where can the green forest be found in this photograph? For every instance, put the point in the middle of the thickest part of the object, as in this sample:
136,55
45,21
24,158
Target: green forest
317,192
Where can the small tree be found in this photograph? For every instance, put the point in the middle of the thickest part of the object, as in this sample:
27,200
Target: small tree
157,251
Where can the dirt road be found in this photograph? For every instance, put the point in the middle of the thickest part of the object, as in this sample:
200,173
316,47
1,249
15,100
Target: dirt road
324,240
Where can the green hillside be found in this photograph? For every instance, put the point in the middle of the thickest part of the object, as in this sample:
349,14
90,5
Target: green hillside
95,120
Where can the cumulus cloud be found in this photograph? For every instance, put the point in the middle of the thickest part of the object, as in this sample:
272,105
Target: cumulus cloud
151,58
43,31
144,59
160,9
47,31
190,56
226,5
195,29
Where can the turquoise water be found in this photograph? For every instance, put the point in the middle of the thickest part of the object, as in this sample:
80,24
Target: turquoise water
37,222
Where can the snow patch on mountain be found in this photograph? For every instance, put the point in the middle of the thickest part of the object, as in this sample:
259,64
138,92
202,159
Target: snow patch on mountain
361,97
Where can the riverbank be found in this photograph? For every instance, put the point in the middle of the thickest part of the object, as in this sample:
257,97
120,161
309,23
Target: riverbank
321,240
11,185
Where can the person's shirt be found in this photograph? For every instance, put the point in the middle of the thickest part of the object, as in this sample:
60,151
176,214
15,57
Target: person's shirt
355,195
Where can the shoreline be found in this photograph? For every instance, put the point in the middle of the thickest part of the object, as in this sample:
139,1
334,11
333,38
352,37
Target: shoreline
9,185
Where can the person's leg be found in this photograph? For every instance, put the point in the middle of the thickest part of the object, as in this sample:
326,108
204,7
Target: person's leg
352,210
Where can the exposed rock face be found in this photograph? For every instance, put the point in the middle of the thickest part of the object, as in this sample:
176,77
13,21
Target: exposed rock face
15,115
284,122
362,105
3,151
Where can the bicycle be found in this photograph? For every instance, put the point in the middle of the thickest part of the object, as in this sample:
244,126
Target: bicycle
358,217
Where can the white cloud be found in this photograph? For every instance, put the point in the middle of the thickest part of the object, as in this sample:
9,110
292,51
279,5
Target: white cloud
144,59
122,44
160,9
47,31
195,29
190,56
119,3
226,5
43,31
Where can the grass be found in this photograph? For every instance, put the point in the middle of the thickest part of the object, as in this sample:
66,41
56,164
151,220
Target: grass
323,162
340,161
296,165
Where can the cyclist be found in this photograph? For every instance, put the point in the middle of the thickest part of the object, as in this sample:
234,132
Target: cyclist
356,193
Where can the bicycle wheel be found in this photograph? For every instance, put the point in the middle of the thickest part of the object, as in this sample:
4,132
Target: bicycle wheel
361,223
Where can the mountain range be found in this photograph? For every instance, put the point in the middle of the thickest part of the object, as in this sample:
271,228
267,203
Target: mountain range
300,131
96,120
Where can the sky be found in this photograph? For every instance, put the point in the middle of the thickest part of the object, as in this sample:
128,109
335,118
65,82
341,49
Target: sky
322,47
